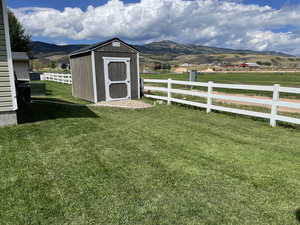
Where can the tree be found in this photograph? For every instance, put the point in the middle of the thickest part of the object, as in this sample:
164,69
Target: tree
166,66
20,41
64,66
53,65
157,66
268,64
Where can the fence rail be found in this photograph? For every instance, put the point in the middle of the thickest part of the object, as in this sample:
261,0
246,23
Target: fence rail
273,103
57,77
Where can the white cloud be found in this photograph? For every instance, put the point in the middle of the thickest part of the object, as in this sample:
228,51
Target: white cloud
222,23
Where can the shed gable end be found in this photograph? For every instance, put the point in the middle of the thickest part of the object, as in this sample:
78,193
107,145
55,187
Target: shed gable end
115,46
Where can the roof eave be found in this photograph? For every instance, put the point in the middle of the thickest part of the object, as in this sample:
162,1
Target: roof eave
102,44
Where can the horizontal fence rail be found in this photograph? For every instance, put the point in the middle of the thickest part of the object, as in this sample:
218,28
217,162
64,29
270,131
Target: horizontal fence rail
57,77
273,103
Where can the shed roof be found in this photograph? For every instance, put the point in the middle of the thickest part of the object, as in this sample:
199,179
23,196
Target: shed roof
20,56
100,44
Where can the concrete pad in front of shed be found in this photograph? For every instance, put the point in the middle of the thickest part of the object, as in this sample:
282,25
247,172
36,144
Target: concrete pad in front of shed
127,104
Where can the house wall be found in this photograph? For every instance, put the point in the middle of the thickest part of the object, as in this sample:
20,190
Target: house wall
8,118
121,52
7,90
21,69
82,78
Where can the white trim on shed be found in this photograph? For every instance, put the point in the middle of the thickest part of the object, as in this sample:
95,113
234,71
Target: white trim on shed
94,77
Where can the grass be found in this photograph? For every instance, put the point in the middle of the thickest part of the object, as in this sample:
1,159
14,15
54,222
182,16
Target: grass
164,165
60,93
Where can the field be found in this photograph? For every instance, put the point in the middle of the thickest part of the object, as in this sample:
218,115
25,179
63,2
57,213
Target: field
287,79
70,164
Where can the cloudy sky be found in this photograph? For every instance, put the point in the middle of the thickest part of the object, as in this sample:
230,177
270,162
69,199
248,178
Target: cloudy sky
238,24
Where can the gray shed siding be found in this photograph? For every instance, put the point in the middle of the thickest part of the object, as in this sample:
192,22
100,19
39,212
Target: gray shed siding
6,96
82,77
120,52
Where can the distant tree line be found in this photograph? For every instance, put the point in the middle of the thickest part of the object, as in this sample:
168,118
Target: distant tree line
161,66
264,63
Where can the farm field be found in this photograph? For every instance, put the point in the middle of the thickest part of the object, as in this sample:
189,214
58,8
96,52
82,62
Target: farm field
287,79
163,165
268,79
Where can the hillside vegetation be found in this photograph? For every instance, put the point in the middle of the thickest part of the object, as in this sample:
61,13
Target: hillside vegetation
170,54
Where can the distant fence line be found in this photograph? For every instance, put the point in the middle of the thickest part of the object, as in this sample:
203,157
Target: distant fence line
273,116
57,77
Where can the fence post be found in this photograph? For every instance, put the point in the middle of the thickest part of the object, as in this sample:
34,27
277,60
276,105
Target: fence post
209,96
169,91
274,105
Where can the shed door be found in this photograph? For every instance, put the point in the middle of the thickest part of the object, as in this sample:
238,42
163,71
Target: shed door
117,78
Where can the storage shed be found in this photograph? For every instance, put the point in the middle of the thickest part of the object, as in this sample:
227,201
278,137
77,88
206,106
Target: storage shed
106,71
8,99
21,65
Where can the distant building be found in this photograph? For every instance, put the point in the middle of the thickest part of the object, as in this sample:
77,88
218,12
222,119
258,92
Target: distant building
21,65
249,65
185,65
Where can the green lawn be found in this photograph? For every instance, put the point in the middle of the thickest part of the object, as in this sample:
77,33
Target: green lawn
60,93
164,165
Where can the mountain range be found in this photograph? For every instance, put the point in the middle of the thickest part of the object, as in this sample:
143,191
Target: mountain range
42,49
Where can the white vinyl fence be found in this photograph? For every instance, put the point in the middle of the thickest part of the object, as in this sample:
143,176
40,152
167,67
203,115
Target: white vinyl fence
57,77
274,103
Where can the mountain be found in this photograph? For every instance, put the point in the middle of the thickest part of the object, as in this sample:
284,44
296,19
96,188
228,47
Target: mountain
170,47
41,49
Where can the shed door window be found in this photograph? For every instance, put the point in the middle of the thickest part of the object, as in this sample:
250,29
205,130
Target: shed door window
117,71
117,91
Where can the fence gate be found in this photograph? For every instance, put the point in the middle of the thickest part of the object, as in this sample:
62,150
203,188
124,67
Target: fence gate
117,78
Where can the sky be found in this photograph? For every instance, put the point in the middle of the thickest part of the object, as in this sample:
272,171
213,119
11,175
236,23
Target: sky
262,25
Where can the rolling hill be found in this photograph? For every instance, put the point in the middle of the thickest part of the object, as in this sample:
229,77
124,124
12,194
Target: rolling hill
168,52
42,49
170,47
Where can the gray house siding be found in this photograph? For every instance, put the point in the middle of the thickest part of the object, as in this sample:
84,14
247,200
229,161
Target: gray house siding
82,78
7,90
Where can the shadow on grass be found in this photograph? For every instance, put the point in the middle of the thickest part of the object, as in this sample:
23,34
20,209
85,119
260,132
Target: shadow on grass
48,92
42,111
297,213
52,100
